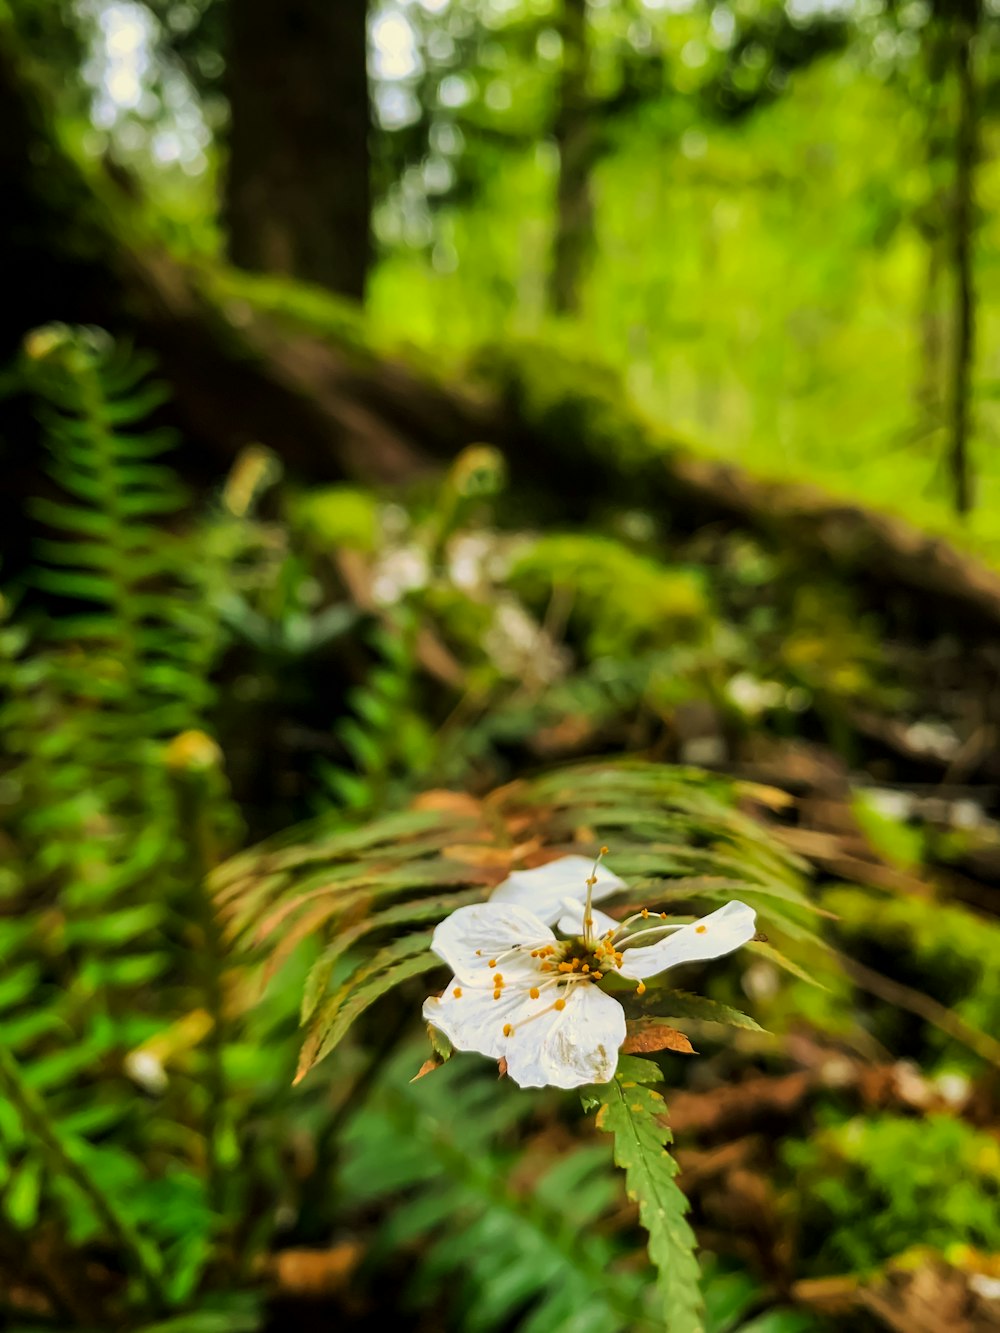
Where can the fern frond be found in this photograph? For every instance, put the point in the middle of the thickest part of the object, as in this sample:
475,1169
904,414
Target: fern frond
678,827
634,1113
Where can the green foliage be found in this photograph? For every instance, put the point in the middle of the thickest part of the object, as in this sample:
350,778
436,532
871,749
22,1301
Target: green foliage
622,602
875,1186
939,947
508,1232
636,1115
117,1109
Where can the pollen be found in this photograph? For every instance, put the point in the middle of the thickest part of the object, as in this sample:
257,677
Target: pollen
604,851
597,975
645,913
566,967
585,968
457,992
498,980
700,930
496,995
534,992
508,1030
492,962
559,1004
641,988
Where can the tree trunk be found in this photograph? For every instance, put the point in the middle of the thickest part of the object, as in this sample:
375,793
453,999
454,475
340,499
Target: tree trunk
297,188
963,337
576,140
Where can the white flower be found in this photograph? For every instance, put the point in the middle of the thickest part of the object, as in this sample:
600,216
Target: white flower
544,889
521,993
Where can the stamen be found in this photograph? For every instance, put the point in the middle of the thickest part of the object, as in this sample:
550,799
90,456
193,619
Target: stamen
641,988
534,992
700,930
492,962
457,992
559,1004
508,1030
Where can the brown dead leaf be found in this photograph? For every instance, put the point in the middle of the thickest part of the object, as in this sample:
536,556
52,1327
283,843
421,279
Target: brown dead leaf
472,855
502,1066
448,802
314,1274
645,1035
428,1067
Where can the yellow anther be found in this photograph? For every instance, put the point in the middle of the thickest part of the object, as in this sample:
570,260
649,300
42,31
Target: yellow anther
597,975
457,992
645,913
493,962
508,1031
565,967
479,953
641,988
663,915
559,1004
585,968
700,930
604,851
498,980
546,967
496,995
534,992
592,879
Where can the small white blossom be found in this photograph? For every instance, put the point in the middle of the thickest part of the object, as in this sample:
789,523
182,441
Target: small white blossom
521,993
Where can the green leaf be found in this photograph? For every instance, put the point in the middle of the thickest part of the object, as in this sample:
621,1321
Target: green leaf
335,1018
634,1113
679,1004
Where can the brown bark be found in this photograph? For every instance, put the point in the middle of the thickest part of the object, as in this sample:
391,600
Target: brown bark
297,186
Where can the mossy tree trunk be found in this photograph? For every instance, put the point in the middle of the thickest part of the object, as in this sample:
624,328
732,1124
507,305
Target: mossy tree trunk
966,22
298,194
576,139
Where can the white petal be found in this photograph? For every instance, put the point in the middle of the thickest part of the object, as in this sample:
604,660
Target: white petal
543,889
718,933
571,921
473,935
473,1020
566,1048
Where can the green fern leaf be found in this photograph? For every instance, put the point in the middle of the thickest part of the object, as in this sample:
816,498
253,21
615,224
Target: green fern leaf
633,1112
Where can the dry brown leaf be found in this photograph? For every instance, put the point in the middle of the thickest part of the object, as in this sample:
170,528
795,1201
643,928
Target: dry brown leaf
428,1067
471,854
502,1066
645,1035
314,1274
448,802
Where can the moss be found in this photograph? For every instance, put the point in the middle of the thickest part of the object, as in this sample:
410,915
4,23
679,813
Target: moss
333,516
621,602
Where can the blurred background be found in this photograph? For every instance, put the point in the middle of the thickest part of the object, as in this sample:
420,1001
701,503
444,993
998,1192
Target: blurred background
421,395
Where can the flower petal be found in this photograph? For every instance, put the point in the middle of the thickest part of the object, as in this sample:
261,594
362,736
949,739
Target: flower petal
472,1019
473,935
571,921
566,1048
543,889
714,935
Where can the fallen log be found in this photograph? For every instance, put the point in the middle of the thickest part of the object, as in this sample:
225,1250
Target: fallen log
331,408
